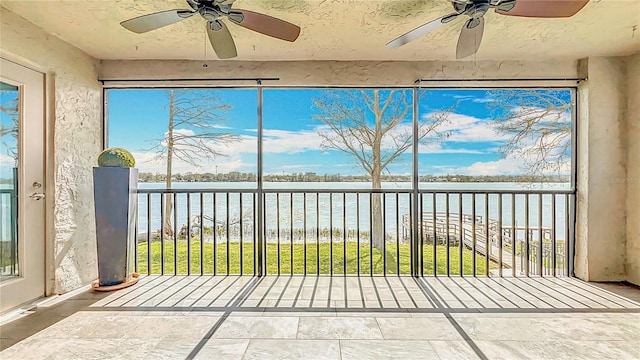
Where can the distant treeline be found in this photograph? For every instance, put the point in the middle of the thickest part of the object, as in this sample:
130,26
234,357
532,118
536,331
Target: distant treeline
313,177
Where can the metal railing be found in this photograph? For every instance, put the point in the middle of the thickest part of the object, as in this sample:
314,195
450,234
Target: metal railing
496,232
8,233
355,232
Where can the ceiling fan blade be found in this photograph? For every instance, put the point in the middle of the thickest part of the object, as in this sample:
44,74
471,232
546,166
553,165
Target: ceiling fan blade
221,40
470,37
265,24
144,23
420,31
545,8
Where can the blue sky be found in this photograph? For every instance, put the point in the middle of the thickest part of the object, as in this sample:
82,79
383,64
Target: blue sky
291,144
8,143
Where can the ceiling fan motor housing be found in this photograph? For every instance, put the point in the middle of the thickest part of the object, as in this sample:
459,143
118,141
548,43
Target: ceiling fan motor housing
477,8
209,14
210,9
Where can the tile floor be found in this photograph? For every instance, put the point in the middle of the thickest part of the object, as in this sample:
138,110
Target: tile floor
231,317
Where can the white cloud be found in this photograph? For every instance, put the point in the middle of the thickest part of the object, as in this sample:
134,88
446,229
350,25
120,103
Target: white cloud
474,98
245,144
465,128
521,160
6,165
6,160
513,164
523,114
275,141
148,162
506,166
463,96
291,142
483,100
436,148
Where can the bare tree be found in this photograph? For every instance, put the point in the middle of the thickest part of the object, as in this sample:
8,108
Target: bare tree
9,130
539,124
370,125
192,136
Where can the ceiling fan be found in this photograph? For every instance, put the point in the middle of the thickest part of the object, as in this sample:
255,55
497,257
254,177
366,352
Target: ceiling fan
213,11
472,30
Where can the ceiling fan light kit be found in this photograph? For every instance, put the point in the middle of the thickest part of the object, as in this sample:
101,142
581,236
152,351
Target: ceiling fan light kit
471,33
213,11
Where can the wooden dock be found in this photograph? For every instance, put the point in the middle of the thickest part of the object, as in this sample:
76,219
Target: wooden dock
476,234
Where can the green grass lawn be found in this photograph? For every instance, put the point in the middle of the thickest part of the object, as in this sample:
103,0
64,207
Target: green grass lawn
6,258
368,261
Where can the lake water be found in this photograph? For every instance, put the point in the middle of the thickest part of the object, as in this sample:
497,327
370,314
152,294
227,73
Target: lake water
5,212
334,211
326,211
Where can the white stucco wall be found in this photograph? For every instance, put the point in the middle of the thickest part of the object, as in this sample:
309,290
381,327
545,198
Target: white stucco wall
582,168
74,105
338,73
633,169
602,189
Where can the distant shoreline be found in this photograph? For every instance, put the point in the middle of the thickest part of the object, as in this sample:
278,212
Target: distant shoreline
336,178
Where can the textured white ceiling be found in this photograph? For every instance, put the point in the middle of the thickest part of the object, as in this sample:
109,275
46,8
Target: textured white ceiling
338,30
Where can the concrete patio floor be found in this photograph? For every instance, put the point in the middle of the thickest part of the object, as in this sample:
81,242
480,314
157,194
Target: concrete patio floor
233,317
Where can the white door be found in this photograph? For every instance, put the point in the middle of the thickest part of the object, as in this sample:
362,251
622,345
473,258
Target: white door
22,202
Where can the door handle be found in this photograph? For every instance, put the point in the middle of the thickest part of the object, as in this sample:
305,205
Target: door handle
37,196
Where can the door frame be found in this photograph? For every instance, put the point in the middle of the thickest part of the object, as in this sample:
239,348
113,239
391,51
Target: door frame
48,104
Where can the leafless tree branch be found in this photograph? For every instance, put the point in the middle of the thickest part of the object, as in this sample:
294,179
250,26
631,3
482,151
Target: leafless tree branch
190,136
10,130
539,125
374,128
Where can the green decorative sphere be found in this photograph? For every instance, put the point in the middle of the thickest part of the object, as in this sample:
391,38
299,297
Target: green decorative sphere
116,157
